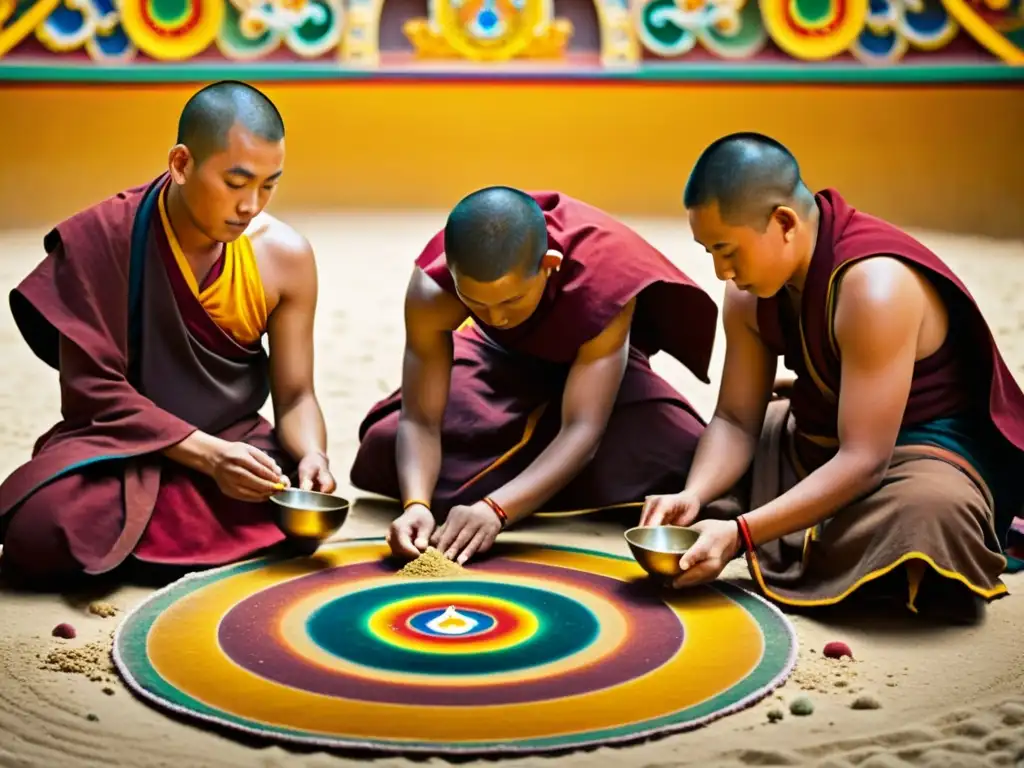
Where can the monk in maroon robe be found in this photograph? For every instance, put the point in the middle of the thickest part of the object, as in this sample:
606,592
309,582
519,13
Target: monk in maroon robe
546,399
890,467
152,305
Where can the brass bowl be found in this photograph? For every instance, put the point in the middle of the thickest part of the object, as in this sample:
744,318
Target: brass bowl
658,548
309,515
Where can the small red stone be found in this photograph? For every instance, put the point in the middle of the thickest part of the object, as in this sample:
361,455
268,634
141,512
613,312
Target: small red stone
836,650
64,630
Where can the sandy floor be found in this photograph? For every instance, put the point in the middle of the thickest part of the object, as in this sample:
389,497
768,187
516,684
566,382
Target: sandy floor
948,696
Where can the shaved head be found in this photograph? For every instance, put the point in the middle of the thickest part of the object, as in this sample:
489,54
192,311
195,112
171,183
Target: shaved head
226,162
748,175
494,232
211,113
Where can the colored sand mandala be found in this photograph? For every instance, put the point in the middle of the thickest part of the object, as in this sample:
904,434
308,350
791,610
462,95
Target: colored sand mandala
534,649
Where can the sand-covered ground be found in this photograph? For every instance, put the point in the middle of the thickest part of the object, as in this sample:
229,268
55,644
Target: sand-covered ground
946,696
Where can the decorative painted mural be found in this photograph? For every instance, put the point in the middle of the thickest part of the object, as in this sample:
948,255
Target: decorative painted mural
154,40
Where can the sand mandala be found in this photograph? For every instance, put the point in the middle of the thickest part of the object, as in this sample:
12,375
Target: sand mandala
534,649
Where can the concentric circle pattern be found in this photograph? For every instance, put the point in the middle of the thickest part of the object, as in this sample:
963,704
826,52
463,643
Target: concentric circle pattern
172,30
537,649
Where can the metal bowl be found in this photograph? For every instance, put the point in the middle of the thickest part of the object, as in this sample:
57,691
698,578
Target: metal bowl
658,548
309,515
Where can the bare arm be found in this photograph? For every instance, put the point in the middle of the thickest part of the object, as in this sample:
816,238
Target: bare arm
727,446
198,451
879,313
430,317
589,395
299,420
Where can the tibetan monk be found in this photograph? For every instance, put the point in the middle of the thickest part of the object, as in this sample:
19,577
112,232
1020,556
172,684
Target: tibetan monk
886,470
526,385
152,306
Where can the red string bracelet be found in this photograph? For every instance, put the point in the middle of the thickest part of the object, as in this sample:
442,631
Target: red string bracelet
746,541
497,510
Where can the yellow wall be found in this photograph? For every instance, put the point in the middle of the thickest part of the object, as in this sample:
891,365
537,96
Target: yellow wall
948,158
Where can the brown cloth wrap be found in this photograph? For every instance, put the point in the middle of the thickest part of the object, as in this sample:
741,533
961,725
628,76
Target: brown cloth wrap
931,508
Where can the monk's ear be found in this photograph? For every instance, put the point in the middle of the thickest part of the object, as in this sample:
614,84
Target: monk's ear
787,220
180,163
552,260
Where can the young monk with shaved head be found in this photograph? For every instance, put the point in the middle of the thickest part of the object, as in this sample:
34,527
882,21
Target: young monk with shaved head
152,305
891,465
546,401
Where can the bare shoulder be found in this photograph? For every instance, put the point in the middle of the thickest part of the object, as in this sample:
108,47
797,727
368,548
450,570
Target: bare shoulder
612,338
428,304
739,310
885,302
879,282
285,261
885,305
278,242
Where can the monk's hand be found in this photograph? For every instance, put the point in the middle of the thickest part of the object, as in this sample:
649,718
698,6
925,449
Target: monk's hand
246,473
315,473
670,509
409,534
717,544
467,531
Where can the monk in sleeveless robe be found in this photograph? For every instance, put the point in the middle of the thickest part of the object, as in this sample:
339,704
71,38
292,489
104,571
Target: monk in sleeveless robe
526,386
152,305
888,471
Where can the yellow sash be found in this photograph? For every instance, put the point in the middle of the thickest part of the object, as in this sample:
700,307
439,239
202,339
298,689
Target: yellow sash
235,301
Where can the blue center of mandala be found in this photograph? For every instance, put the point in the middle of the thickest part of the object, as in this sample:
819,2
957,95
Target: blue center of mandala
435,623
487,19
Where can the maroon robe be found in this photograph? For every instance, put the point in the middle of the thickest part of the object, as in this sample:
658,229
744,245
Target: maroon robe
504,405
142,366
967,377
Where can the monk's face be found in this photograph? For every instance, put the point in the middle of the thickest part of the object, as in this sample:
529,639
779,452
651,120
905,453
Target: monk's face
227,189
759,261
506,302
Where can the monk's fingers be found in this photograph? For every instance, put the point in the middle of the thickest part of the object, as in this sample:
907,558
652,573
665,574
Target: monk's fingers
685,514
243,493
701,573
263,458
698,553
238,483
464,537
653,510
326,481
453,525
448,533
258,468
480,542
400,540
423,530
681,510
241,490
244,480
